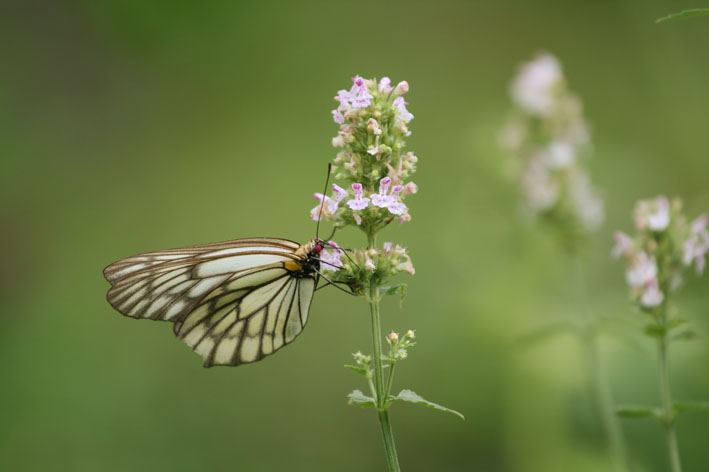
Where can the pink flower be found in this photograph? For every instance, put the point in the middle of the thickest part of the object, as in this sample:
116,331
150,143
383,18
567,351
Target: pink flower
395,206
387,200
385,85
331,259
623,244
329,206
359,94
359,202
652,214
652,296
343,96
642,271
381,199
323,207
696,246
403,112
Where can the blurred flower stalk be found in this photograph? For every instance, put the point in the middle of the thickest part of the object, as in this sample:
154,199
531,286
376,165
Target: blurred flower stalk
548,142
371,173
664,247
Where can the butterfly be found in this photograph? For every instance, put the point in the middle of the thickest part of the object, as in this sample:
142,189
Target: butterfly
233,302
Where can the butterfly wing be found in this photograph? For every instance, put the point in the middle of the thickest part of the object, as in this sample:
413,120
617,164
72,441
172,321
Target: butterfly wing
233,302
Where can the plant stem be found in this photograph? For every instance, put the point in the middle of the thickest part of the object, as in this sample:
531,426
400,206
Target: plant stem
390,378
667,406
598,378
604,404
382,408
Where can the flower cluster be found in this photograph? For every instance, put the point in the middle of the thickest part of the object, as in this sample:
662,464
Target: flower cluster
548,137
664,245
399,345
359,268
372,164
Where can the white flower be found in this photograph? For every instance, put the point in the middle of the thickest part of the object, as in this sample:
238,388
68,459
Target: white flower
623,244
385,85
642,271
373,127
695,248
533,88
560,155
404,114
540,190
587,203
652,296
660,218
652,214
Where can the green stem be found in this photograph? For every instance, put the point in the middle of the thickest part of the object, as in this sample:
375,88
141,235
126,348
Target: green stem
390,378
384,421
604,404
598,378
381,394
667,406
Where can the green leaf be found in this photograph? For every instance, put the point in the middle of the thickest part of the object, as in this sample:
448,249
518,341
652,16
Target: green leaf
683,407
685,335
638,411
401,289
684,14
412,397
357,369
655,330
358,398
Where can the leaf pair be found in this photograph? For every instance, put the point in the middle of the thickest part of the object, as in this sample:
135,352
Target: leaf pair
642,411
360,399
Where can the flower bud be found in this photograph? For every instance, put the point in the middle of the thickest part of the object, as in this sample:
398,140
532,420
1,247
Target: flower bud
410,334
410,188
401,88
393,338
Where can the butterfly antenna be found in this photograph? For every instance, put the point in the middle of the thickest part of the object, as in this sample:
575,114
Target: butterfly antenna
344,251
332,235
322,203
333,283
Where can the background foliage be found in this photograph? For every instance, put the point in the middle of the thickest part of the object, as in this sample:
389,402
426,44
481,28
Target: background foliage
131,126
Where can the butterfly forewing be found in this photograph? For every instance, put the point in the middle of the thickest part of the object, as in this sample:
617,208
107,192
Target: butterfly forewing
232,302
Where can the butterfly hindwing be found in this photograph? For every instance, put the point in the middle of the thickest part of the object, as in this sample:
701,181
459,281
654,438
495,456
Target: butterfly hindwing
232,302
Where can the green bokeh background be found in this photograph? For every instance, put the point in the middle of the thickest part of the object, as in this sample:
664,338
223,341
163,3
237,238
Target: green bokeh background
138,125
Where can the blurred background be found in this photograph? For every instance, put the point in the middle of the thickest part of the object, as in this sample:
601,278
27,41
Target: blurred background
140,125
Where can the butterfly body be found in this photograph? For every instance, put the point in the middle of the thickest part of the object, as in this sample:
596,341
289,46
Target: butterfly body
233,302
